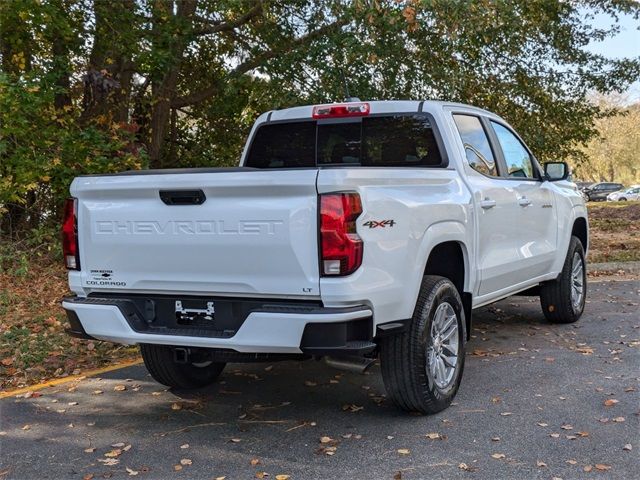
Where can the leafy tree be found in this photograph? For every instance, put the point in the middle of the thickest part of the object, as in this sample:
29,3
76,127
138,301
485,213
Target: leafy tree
96,85
614,154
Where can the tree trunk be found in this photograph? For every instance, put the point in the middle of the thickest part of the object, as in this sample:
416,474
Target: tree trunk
165,91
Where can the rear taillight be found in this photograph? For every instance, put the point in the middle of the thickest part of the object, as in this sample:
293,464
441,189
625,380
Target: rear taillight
70,234
341,110
341,247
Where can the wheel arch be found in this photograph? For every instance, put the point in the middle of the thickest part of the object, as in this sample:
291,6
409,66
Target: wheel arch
580,229
450,259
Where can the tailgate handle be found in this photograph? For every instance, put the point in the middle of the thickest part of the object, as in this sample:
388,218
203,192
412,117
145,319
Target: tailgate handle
182,197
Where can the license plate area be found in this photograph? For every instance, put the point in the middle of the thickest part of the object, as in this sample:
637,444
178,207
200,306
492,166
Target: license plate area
195,317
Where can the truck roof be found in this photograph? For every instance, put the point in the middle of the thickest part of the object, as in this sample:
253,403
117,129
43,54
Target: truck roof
376,107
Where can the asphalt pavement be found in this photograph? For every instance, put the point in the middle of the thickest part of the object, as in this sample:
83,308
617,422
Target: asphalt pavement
537,401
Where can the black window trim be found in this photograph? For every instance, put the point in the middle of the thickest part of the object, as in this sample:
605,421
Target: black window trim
445,165
539,177
481,118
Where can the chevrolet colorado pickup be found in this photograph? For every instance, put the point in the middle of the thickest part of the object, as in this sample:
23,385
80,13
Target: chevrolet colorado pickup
348,232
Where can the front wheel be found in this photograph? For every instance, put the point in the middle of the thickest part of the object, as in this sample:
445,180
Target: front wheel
160,363
563,299
422,367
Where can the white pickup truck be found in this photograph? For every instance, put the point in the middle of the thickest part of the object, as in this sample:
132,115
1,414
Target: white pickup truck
349,231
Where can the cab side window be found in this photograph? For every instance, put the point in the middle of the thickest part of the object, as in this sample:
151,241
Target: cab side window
476,144
518,160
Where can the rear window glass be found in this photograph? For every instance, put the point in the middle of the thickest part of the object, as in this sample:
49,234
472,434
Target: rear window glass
397,140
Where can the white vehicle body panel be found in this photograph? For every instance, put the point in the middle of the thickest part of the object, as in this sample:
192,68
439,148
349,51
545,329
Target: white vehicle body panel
256,236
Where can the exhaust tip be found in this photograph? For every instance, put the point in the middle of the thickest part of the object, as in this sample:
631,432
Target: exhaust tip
351,364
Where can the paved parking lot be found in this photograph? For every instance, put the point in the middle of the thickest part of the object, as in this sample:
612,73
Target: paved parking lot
537,401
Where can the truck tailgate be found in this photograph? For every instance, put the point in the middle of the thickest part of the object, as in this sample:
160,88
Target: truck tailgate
255,231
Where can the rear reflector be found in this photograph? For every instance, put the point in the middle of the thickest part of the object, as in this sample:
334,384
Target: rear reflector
340,244
341,110
70,235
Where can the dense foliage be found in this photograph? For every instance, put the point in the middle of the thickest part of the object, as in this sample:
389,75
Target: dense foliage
614,154
96,85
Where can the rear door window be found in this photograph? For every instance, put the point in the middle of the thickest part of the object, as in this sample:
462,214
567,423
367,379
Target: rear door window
476,144
379,141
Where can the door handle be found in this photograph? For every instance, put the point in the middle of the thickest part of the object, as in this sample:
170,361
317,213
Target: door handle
182,197
487,203
524,202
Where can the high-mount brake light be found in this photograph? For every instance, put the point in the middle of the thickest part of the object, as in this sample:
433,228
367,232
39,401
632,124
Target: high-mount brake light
341,246
341,110
70,234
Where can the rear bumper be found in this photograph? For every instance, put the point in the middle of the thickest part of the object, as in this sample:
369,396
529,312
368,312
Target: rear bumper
270,329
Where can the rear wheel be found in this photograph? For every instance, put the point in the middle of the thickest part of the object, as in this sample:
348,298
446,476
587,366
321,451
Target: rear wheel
160,362
563,299
422,367
623,199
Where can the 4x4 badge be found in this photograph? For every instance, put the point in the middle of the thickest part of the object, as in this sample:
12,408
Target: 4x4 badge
381,223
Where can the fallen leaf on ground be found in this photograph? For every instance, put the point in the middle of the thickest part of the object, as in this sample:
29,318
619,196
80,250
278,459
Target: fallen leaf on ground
282,477
90,450
186,445
185,461
131,472
542,424
587,468
497,456
309,383
566,427
120,388
26,427
618,419
506,414
118,445
236,440
610,402
554,435
627,447
433,436
602,467
571,462
404,451
109,461
113,453
326,440
351,407
541,464
495,439
255,461
177,468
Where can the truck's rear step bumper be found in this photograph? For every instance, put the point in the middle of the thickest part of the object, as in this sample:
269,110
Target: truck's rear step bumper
274,327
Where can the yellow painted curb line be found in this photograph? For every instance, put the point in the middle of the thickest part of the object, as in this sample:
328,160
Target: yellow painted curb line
72,378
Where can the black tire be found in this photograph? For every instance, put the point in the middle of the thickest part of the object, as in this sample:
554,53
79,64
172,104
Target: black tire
160,363
558,303
623,199
406,371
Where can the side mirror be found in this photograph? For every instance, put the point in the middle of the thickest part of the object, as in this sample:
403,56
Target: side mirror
555,171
